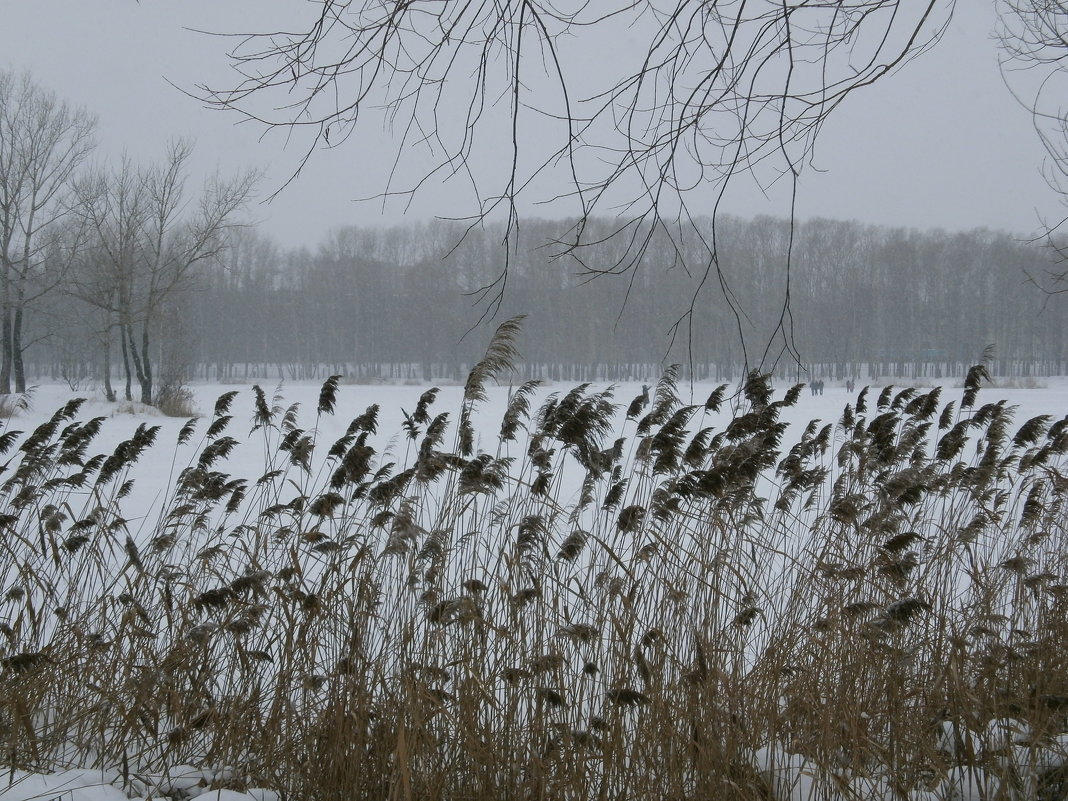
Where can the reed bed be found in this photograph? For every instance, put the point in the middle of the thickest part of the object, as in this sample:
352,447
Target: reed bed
882,601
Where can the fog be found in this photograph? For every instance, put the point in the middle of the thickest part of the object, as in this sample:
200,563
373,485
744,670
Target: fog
941,143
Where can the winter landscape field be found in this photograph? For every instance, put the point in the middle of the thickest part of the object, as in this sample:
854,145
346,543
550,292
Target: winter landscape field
430,564
519,591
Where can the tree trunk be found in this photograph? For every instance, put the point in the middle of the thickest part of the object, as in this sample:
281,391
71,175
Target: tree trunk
142,366
5,358
146,367
16,351
125,360
109,391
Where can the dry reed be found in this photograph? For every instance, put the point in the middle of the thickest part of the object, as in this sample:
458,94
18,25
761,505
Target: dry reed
456,627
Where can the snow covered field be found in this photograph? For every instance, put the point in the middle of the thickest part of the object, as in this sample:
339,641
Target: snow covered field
255,453
156,470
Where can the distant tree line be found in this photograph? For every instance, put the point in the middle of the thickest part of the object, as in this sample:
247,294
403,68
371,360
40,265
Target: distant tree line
123,273
384,303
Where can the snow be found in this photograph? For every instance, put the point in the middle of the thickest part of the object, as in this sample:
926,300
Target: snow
156,470
181,781
69,785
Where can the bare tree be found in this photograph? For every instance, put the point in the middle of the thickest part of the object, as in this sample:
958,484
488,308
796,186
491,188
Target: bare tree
43,141
151,239
697,93
114,208
1034,39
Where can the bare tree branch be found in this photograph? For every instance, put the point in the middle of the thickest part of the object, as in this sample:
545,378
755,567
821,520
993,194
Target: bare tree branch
43,142
149,239
698,94
1034,39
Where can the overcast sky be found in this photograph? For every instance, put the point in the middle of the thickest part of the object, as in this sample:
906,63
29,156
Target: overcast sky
941,144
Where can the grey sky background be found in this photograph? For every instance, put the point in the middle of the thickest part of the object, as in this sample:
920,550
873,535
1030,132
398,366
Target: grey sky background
940,144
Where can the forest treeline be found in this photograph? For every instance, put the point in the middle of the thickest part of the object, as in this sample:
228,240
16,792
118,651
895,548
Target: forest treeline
126,275
395,304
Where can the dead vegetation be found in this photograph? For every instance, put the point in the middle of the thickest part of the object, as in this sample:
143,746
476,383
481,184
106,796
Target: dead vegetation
457,626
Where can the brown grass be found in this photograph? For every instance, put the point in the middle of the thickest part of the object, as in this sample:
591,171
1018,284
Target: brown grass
455,627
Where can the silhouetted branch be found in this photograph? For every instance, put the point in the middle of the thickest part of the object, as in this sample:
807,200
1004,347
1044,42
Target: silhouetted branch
697,94
1034,38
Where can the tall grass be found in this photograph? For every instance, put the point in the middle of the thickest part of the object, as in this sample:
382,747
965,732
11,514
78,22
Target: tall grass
458,624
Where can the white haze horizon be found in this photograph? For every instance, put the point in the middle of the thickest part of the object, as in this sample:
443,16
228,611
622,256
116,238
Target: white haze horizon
940,144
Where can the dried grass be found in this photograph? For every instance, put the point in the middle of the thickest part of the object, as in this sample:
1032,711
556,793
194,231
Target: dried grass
11,405
453,627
